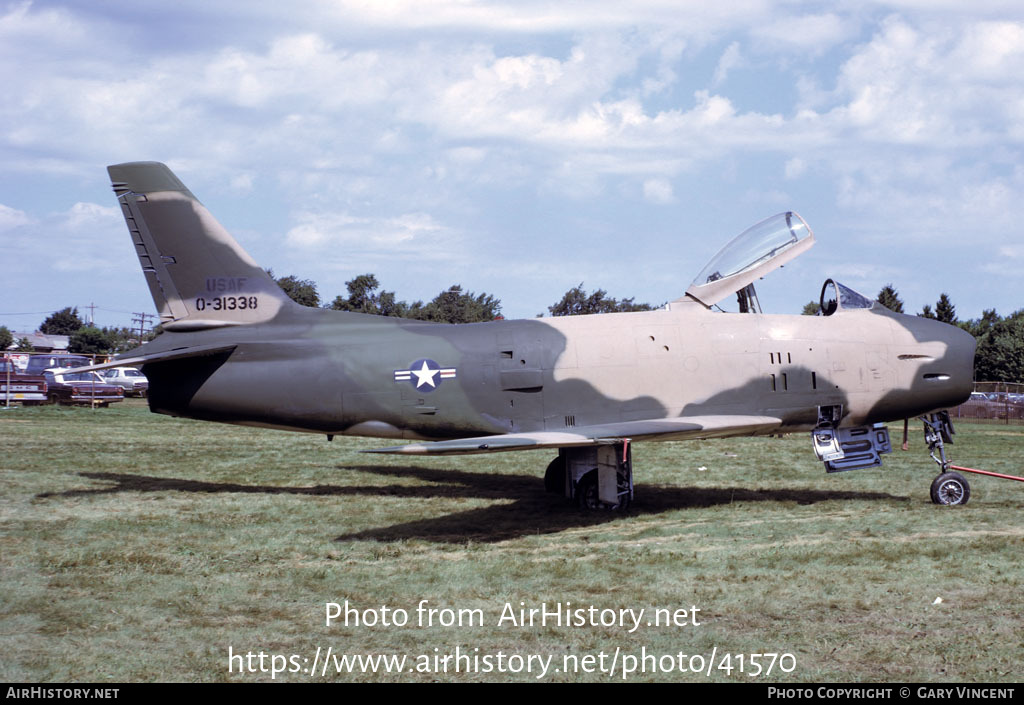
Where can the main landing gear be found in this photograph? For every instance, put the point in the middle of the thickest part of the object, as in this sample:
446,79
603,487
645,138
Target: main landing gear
596,478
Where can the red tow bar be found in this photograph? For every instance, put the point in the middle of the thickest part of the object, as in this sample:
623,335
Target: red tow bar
986,472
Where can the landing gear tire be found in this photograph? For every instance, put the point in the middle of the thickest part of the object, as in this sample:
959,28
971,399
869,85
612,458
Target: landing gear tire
950,488
588,496
554,476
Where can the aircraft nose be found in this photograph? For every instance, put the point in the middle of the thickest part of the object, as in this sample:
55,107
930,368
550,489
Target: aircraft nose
959,358
944,375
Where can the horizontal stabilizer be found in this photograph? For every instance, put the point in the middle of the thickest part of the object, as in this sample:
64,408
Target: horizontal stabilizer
677,428
163,356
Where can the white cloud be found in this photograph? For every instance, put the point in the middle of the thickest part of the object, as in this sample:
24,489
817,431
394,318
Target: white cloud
670,55
769,197
74,240
11,218
814,33
658,191
795,167
29,24
538,16
407,236
83,216
242,183
934,86
315,100
990,51
466,155
83,231
731,58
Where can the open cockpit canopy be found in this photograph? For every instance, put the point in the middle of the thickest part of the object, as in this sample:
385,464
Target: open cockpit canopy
751,255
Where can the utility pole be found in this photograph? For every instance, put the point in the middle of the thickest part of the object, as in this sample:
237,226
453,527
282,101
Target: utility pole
140,318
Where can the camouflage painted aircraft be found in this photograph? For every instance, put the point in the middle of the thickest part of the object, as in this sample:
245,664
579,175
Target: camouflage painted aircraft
236,349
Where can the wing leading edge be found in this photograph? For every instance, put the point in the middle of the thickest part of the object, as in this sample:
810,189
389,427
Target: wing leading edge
668,429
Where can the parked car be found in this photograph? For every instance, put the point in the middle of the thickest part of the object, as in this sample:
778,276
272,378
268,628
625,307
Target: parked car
991,405
28,389
39,363
1007,406
130,379
65,386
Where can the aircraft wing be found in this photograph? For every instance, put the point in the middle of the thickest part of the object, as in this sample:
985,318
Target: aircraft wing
667,429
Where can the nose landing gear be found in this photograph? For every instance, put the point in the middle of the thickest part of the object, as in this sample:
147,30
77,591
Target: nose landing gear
949,487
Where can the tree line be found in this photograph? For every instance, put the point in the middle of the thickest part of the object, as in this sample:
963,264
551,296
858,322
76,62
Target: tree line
83,338
452,305
1000,340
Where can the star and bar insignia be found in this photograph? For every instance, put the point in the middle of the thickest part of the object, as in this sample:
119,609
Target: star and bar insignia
425,375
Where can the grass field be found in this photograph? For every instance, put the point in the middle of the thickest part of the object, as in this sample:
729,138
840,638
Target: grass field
137,547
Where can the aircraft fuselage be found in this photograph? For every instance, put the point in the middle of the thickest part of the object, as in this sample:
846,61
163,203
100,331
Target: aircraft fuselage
336,373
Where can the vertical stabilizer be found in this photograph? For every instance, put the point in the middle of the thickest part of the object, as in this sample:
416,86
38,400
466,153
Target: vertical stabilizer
198,275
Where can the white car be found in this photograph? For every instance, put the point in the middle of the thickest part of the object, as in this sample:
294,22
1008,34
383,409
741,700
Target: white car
130,379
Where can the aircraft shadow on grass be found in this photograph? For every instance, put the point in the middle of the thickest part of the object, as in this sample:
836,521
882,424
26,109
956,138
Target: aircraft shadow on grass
531,511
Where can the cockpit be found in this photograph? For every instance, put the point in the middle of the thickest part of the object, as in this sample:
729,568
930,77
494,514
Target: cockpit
835,296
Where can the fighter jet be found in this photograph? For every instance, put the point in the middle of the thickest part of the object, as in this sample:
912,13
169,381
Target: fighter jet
234,348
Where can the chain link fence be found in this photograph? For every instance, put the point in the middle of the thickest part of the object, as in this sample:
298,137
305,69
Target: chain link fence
993,402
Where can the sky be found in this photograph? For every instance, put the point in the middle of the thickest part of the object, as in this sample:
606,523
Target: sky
520,147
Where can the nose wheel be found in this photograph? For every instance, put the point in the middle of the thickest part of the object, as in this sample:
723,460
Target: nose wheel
950,488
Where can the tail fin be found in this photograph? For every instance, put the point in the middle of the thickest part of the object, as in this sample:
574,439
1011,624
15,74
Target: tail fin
198,275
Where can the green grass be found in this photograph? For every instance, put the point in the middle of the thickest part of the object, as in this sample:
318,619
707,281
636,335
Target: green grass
137,547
